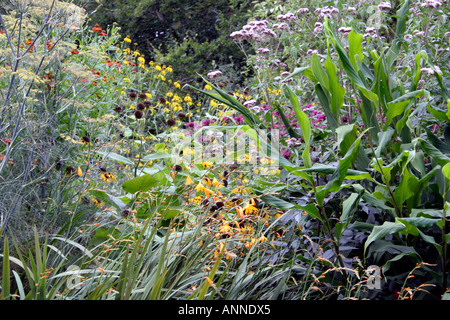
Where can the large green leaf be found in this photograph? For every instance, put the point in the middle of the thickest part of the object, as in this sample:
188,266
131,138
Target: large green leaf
383,82
346,135
384,138
117,157
407,188
319,72
335,182
351,70
336,89
379,232
434,152
304,124
355,47
142,183
397,107
324,99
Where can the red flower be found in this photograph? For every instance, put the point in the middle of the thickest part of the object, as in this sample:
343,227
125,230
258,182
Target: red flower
97,28
75,51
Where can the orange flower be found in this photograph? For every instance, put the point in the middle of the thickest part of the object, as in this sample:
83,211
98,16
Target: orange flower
97,28
240,212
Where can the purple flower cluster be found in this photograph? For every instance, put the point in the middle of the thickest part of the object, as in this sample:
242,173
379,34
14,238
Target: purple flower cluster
254,31
326,12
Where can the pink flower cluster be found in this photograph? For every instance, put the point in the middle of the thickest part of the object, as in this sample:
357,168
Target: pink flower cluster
318,27
385,6
326,12
302,10
345,30
288,17
214,74
370,32
254,31
434,4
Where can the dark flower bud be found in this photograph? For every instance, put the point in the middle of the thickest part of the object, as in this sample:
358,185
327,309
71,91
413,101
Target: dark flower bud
132,95
138,114
219,204
142,96
70,170
85,139
225,182
178,168
170,122
147,103
140,106
181,115
118,109
162,100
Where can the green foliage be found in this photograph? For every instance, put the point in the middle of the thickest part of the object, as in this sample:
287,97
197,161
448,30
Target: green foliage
114,180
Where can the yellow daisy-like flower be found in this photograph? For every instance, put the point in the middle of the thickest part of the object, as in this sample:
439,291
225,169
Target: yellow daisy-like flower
127,39
249,208
240,190
141,60
108,176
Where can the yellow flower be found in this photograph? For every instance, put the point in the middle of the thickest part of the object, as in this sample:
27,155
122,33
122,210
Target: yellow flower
108,176
249,208
126,80
225,228
200,187
208,87
262,238
215,183
207,164
141,60
189,181
127,39
97,202
241,190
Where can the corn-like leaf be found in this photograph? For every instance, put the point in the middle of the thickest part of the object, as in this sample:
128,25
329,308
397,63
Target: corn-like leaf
304,124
